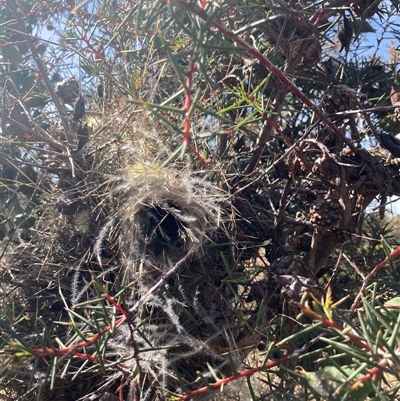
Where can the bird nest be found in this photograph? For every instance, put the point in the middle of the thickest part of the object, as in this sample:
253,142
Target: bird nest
108,232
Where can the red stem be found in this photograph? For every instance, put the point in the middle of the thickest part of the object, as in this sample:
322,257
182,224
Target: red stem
219,383
367,279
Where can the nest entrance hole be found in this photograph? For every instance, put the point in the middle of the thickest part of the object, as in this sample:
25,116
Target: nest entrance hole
162,229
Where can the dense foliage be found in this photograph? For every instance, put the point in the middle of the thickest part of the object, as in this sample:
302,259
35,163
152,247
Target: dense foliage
194,199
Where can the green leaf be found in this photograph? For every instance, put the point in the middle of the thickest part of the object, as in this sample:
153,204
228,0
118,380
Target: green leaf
23,221
392,307
362,27
333,384
390,123
12,54
393,302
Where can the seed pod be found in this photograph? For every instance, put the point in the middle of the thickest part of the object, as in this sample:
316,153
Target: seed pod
345,33
68,90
